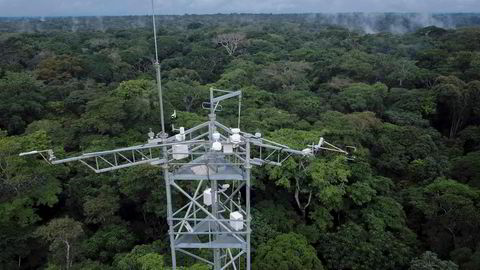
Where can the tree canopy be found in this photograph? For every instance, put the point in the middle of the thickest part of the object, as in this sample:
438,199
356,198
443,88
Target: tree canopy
409,103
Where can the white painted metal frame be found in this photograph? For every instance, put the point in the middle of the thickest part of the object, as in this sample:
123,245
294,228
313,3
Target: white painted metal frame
231,249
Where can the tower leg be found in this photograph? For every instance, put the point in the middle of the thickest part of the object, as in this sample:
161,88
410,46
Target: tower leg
169,217
216,252
247,201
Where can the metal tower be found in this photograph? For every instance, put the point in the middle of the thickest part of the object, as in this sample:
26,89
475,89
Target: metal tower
214,159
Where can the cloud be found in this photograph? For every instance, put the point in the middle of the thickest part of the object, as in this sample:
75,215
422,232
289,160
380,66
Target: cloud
142,7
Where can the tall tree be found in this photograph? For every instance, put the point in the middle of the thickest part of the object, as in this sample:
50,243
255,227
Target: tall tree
21,101
230,41
452,215
429,261
287,252
63,234
457,100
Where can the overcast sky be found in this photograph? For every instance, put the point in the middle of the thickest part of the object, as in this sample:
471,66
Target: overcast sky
142,7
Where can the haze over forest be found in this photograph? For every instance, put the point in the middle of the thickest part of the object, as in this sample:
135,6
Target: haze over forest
365,22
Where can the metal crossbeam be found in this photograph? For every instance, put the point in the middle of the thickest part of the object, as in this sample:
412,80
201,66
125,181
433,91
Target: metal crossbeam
211,216
195,256
227,96
196,225
121,158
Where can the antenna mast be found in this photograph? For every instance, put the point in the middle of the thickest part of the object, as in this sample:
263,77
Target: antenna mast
157,68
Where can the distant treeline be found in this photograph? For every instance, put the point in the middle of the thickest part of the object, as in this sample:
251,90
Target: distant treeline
364,22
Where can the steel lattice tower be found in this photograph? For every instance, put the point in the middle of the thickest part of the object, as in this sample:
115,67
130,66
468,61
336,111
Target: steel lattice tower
214,159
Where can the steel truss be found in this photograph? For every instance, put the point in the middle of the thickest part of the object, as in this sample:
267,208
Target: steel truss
195,226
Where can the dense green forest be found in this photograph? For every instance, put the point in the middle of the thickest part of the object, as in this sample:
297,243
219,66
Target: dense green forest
410,103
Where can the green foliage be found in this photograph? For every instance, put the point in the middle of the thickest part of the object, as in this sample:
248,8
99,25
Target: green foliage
21,101
24,186
262,229
102,207
286,251
284,76
269,119
329,178
384,213
467,169
398,148
409,103
410,107
104,116
404,70
144,190
185,96
451,211
91,265
151,261
141,257
469,138
356,64
352,247
63,235
59,68
361,97
270,220
361,192
198,266
128,90
429,260
457,101
188,119
107,242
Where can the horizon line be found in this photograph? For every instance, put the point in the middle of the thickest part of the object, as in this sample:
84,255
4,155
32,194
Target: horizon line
250,13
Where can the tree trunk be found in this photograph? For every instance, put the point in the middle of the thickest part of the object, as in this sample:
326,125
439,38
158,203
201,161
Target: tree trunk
456,124
454,237
68,253
188,101
297,199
